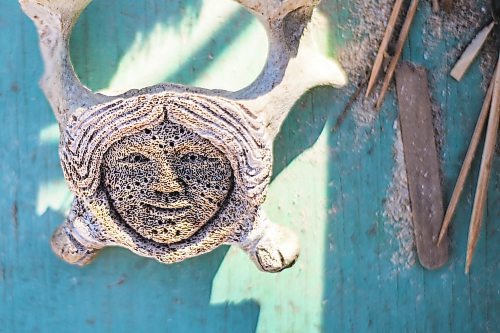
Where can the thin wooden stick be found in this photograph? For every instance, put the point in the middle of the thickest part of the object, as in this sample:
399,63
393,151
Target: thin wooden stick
471,52
484,171
447,5
435,6
464,171
347,107
377,65
399,49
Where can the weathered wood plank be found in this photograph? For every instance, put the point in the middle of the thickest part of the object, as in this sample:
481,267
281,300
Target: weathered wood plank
334,193
422,164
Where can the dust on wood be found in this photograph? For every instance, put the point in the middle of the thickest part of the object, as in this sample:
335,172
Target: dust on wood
422,163
471,53
405,30
366,25
397,211
347,107
485,169
466,165
458,27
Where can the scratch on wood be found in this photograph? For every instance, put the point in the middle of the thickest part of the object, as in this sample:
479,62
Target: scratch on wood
90,321
122,279
15,220
14,87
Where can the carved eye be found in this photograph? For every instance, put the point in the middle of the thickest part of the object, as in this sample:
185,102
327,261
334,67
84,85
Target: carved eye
193,158
135,158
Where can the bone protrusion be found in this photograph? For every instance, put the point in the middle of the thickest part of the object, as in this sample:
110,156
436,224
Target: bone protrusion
272,10
306,71
66,247
271,247
283,35
294,65
55,20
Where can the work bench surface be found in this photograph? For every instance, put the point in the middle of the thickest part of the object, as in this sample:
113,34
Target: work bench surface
331,184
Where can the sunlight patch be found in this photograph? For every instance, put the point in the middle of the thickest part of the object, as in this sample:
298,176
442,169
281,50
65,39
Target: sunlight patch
54,195
49,134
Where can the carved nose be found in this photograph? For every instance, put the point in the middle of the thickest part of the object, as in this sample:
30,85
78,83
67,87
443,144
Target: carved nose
168,182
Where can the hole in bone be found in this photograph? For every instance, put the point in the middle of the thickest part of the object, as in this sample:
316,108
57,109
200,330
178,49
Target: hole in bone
139,61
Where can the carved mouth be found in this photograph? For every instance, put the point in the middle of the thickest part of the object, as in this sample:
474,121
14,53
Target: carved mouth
169,211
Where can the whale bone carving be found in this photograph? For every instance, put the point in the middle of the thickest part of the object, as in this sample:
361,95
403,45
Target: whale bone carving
170,171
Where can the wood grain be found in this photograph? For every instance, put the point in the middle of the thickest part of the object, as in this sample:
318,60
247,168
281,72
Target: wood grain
466,165
399,50
471,52
485,170
422,163
377,65
435,6
330,185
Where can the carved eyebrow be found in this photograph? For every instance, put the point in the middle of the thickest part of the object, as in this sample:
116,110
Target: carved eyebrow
208,150
125,148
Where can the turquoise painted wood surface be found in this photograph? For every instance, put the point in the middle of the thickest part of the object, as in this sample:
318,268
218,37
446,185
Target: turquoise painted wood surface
329,186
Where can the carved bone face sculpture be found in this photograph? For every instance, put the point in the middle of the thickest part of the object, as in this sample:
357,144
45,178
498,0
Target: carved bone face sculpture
169,171
166,181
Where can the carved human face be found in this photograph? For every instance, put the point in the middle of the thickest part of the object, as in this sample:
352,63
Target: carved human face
166,182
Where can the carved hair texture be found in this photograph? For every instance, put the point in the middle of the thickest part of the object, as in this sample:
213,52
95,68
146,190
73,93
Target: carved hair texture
226,124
